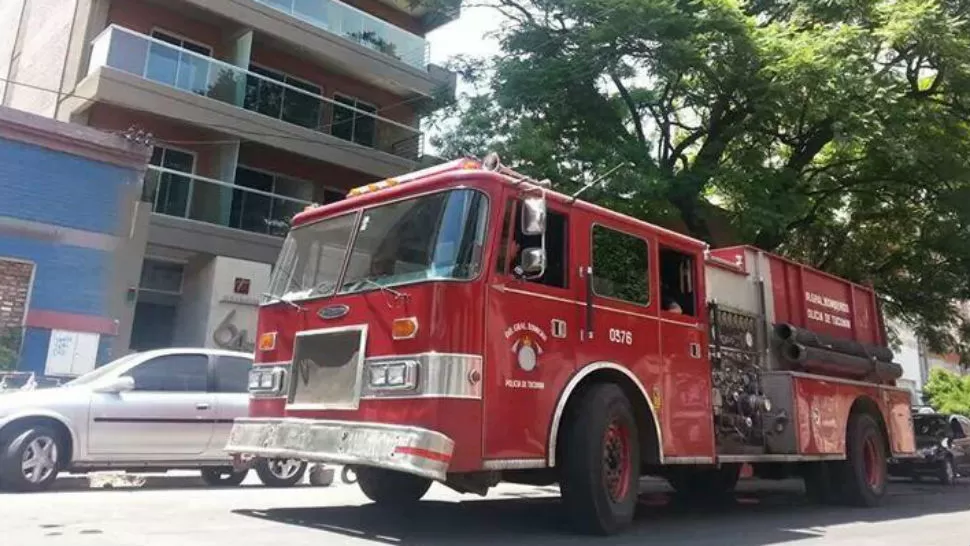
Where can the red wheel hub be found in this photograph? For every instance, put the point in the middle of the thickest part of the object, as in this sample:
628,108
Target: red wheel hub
870,460
616,461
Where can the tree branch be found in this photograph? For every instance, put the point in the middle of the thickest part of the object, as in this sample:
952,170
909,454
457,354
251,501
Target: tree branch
634,111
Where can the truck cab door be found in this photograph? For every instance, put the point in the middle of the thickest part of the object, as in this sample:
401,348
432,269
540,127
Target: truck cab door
532,327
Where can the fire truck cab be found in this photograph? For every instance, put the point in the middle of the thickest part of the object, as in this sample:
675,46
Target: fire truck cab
467,325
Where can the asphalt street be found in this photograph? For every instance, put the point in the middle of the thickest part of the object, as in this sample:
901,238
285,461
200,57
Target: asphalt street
764,513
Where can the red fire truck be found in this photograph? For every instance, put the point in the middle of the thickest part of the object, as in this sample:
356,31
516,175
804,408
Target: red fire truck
468,325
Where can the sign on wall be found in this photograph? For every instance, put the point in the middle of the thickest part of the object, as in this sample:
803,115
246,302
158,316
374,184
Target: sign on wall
71,353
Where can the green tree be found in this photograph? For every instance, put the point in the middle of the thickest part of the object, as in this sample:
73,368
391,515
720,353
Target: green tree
10,339
834,132
948,392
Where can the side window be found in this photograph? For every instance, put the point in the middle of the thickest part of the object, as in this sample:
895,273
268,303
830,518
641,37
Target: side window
557,247
620,266
964,425
172,373
232,374
956,429
677,282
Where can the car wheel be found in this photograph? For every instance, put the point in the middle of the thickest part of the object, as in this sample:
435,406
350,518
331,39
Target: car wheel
280,472
947,473
224,476
30,462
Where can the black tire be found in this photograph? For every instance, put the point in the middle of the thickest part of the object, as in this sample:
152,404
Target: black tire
600,469
390,487
863,476
223,476
348,474
38,441
947,473
820,486
708,483
280,472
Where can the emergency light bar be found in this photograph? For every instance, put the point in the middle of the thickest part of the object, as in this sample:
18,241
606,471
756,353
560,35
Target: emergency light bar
458,164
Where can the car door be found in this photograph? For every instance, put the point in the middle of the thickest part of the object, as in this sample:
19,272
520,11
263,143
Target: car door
961,444
168,414
229,385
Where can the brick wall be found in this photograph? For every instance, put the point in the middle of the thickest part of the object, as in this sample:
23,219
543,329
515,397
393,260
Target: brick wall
15,278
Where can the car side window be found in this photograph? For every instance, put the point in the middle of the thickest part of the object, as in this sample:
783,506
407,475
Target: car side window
232,374
964,425
956,429
172,373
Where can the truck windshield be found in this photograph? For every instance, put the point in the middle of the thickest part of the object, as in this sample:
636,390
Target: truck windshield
433,237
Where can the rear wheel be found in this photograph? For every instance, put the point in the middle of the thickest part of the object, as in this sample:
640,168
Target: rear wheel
223,476
30,462
863,476
280,472
601,466
391,487
947,474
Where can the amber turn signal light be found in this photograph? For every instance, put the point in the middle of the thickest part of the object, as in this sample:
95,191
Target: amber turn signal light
267,341
404,328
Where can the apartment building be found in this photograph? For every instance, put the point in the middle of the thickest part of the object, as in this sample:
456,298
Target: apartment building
256,107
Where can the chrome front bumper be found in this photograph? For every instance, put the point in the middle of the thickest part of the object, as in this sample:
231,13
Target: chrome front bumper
413,450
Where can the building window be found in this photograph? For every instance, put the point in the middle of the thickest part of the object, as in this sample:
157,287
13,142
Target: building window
282,102
270,208
620,266
178,62
168,192
161,276
353,125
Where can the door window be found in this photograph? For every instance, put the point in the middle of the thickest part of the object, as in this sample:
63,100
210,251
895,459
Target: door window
172,373
964,424
169,192
557,246
677,282
232,374
956,429
620,266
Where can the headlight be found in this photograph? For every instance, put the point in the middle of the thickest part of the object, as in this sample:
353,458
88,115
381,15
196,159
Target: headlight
266,379
396,375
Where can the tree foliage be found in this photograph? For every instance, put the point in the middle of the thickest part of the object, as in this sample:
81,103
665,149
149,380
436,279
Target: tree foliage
948,392
10,340
832,131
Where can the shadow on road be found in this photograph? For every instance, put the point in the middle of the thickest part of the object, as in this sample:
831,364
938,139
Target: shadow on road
751,518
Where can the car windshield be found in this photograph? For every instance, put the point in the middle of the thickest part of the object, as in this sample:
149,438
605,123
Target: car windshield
433,237
101,371
931,426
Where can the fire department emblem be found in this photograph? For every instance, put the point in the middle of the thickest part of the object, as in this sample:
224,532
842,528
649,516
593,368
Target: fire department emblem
527,344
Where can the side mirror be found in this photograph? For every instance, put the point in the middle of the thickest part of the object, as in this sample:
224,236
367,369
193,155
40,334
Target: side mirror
117,385
532,262
533,216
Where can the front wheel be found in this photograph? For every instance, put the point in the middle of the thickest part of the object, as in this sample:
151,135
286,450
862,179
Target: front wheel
390,487
280,472
601,464
31,461
863,475
223,476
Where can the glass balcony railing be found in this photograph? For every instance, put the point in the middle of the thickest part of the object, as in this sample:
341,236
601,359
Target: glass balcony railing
176,193
160,62
358,26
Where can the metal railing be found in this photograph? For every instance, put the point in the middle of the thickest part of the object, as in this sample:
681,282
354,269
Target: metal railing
358,26
185,195
161,62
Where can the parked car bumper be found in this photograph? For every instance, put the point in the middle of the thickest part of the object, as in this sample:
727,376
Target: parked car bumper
413,450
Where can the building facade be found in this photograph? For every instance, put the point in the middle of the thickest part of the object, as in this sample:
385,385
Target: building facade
256,107
73,231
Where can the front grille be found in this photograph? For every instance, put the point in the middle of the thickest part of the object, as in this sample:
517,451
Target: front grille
326,371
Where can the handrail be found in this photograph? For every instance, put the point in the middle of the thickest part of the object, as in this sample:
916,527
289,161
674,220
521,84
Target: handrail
230,185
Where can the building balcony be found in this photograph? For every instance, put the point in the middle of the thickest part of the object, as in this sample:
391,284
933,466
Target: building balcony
139,72
213,216
344,37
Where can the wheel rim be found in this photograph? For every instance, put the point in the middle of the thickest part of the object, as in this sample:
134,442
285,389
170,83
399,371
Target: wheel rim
284,469
39,459
616,461
870,458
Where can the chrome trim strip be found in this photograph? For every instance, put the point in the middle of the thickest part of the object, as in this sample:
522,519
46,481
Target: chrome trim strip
830,379
688,460
571,386
783,458
354,404
439,375
413,450
513,464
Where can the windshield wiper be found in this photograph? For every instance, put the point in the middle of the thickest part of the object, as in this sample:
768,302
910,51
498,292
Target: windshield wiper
271,299
322,286
381,287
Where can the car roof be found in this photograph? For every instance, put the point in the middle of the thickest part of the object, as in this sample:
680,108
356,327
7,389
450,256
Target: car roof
193,350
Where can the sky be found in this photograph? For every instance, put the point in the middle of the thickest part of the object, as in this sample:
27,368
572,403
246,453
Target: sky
465,36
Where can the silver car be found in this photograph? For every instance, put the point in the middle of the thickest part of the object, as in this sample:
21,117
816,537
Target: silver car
158,410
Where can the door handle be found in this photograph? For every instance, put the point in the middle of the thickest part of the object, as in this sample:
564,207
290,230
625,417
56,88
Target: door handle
202,406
